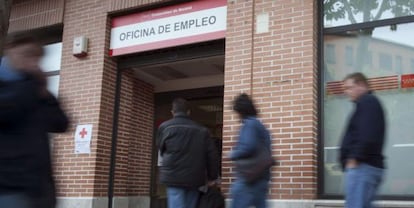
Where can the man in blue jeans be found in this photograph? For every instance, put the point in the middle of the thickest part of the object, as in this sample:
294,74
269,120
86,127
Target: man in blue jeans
189,157
362,145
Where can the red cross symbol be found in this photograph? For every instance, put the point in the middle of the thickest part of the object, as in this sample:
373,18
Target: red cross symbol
83,133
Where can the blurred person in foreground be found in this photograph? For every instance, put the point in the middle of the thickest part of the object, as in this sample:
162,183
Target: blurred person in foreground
362,145
253,137
28,111
189,157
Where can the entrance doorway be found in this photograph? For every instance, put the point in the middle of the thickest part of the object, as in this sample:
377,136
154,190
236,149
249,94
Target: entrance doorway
206,106
193,72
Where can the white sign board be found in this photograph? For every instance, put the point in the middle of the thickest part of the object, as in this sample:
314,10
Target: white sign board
83,137
170,26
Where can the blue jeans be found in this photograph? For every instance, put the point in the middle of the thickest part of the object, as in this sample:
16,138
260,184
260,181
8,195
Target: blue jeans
245,195
361,185
181,197
15,201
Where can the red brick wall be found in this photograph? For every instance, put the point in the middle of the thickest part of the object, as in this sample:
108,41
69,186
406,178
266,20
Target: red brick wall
283,84
237,74
126,133
140,148
118,5
88,87
135,136
32,14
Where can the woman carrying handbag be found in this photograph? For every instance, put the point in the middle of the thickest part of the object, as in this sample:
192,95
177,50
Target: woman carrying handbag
252,157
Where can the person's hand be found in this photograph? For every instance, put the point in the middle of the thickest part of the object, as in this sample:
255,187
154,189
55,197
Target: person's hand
351,163
212,183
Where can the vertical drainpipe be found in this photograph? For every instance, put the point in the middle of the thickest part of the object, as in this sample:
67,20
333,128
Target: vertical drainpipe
320,114
252,49
114,137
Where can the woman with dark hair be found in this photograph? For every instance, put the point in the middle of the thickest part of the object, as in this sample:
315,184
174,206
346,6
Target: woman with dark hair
253,137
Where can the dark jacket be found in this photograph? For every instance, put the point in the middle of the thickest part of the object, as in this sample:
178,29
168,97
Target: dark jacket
252,133
189,157
25,120
364,136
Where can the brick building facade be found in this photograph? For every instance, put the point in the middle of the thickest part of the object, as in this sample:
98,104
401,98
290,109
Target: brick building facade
277,62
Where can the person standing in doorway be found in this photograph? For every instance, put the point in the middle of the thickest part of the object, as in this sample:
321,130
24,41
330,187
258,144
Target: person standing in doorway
362,145
253,137
28,111
189,157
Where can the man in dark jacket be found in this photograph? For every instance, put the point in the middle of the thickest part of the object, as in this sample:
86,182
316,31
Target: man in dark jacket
189,158
362,145
28,111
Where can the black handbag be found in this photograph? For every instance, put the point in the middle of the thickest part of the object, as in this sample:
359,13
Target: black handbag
254,167
213,198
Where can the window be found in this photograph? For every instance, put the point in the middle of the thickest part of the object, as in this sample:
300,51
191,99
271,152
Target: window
398,64
383,43
330,54
345,12
412,64
349,55
53,84
368,59
50,64
385,61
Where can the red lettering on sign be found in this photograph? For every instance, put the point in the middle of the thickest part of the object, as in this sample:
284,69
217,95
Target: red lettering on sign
407,81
